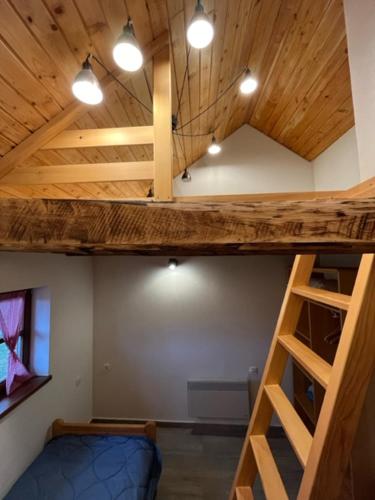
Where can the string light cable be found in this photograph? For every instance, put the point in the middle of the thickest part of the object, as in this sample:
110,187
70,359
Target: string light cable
220,96
110,73
177,130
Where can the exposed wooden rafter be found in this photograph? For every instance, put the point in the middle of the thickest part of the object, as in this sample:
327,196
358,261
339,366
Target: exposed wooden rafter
101,137
89,227
239,198
163,149
93,172
66,117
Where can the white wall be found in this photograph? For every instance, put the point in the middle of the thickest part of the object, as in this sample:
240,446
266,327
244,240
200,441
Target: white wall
212,317
250,162
360,22
69,280
338,166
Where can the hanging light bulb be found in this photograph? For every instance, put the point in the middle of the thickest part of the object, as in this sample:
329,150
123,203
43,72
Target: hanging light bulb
249,83
86,86
186,177
127,53
200,31
214,148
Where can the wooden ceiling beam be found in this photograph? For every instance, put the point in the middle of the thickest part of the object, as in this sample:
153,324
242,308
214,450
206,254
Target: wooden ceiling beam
89,227
90,172
69,115
163,146
365,189
101,137
251,197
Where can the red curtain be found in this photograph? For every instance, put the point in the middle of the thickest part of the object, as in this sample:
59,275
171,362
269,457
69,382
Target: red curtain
12,307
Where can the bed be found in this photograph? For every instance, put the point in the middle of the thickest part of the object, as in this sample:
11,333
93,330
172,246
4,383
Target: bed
93,462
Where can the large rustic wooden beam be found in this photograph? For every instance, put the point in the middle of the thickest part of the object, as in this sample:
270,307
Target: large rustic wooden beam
68,116
89,227
163,149
81,172
101,137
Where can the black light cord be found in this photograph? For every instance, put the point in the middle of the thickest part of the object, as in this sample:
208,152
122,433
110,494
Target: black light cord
192,135
177,130
133,96
183,83
214,102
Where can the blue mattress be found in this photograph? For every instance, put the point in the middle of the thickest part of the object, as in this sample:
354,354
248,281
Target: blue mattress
92,468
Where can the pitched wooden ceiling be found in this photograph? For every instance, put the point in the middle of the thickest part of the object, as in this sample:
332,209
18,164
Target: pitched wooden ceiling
296,48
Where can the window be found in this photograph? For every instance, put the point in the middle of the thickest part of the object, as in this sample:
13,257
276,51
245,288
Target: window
23,343
30,370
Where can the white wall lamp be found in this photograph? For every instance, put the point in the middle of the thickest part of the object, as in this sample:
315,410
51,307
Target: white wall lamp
200,31
172,264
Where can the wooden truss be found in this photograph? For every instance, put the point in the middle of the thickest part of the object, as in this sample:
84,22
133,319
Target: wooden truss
266,223
54,135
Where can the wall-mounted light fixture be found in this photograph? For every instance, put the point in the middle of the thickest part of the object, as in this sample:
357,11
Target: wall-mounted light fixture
172,264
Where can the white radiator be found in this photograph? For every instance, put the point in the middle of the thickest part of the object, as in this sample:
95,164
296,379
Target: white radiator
222,399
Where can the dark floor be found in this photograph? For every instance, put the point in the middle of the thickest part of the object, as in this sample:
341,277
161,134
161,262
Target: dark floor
200,467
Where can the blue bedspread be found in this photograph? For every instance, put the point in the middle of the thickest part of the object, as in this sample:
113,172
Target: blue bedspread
92,468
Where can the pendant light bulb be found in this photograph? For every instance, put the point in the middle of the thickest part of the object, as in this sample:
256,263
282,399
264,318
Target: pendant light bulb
127,53
186,177
214,148
248,84
200,31
86,87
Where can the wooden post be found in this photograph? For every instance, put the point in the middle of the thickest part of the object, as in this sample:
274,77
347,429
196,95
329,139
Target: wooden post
163,152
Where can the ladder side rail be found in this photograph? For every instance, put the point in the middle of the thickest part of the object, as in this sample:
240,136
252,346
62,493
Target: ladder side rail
328,461
274,369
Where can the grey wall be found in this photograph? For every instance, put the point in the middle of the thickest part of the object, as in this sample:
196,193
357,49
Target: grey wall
69,281
212,317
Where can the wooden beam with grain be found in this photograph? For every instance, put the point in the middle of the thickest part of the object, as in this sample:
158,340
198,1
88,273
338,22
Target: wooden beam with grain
163,146
82,172
97,227
236,198
101,137
70,114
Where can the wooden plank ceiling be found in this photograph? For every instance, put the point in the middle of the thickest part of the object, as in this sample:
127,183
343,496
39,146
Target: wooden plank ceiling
296,48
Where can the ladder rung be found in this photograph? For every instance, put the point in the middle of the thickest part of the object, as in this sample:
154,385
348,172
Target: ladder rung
299,437
333,299
244,493
269,474
319,369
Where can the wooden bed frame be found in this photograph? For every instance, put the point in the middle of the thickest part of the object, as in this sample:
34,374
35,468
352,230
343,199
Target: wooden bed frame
60,427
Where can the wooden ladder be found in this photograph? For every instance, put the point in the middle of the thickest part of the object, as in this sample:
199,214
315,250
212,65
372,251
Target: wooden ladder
324,456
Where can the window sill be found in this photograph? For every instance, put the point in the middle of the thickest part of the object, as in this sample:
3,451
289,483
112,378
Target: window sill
8,403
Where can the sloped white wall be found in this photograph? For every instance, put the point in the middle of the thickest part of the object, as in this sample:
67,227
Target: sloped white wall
250,162
338,166
360,22
69,281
